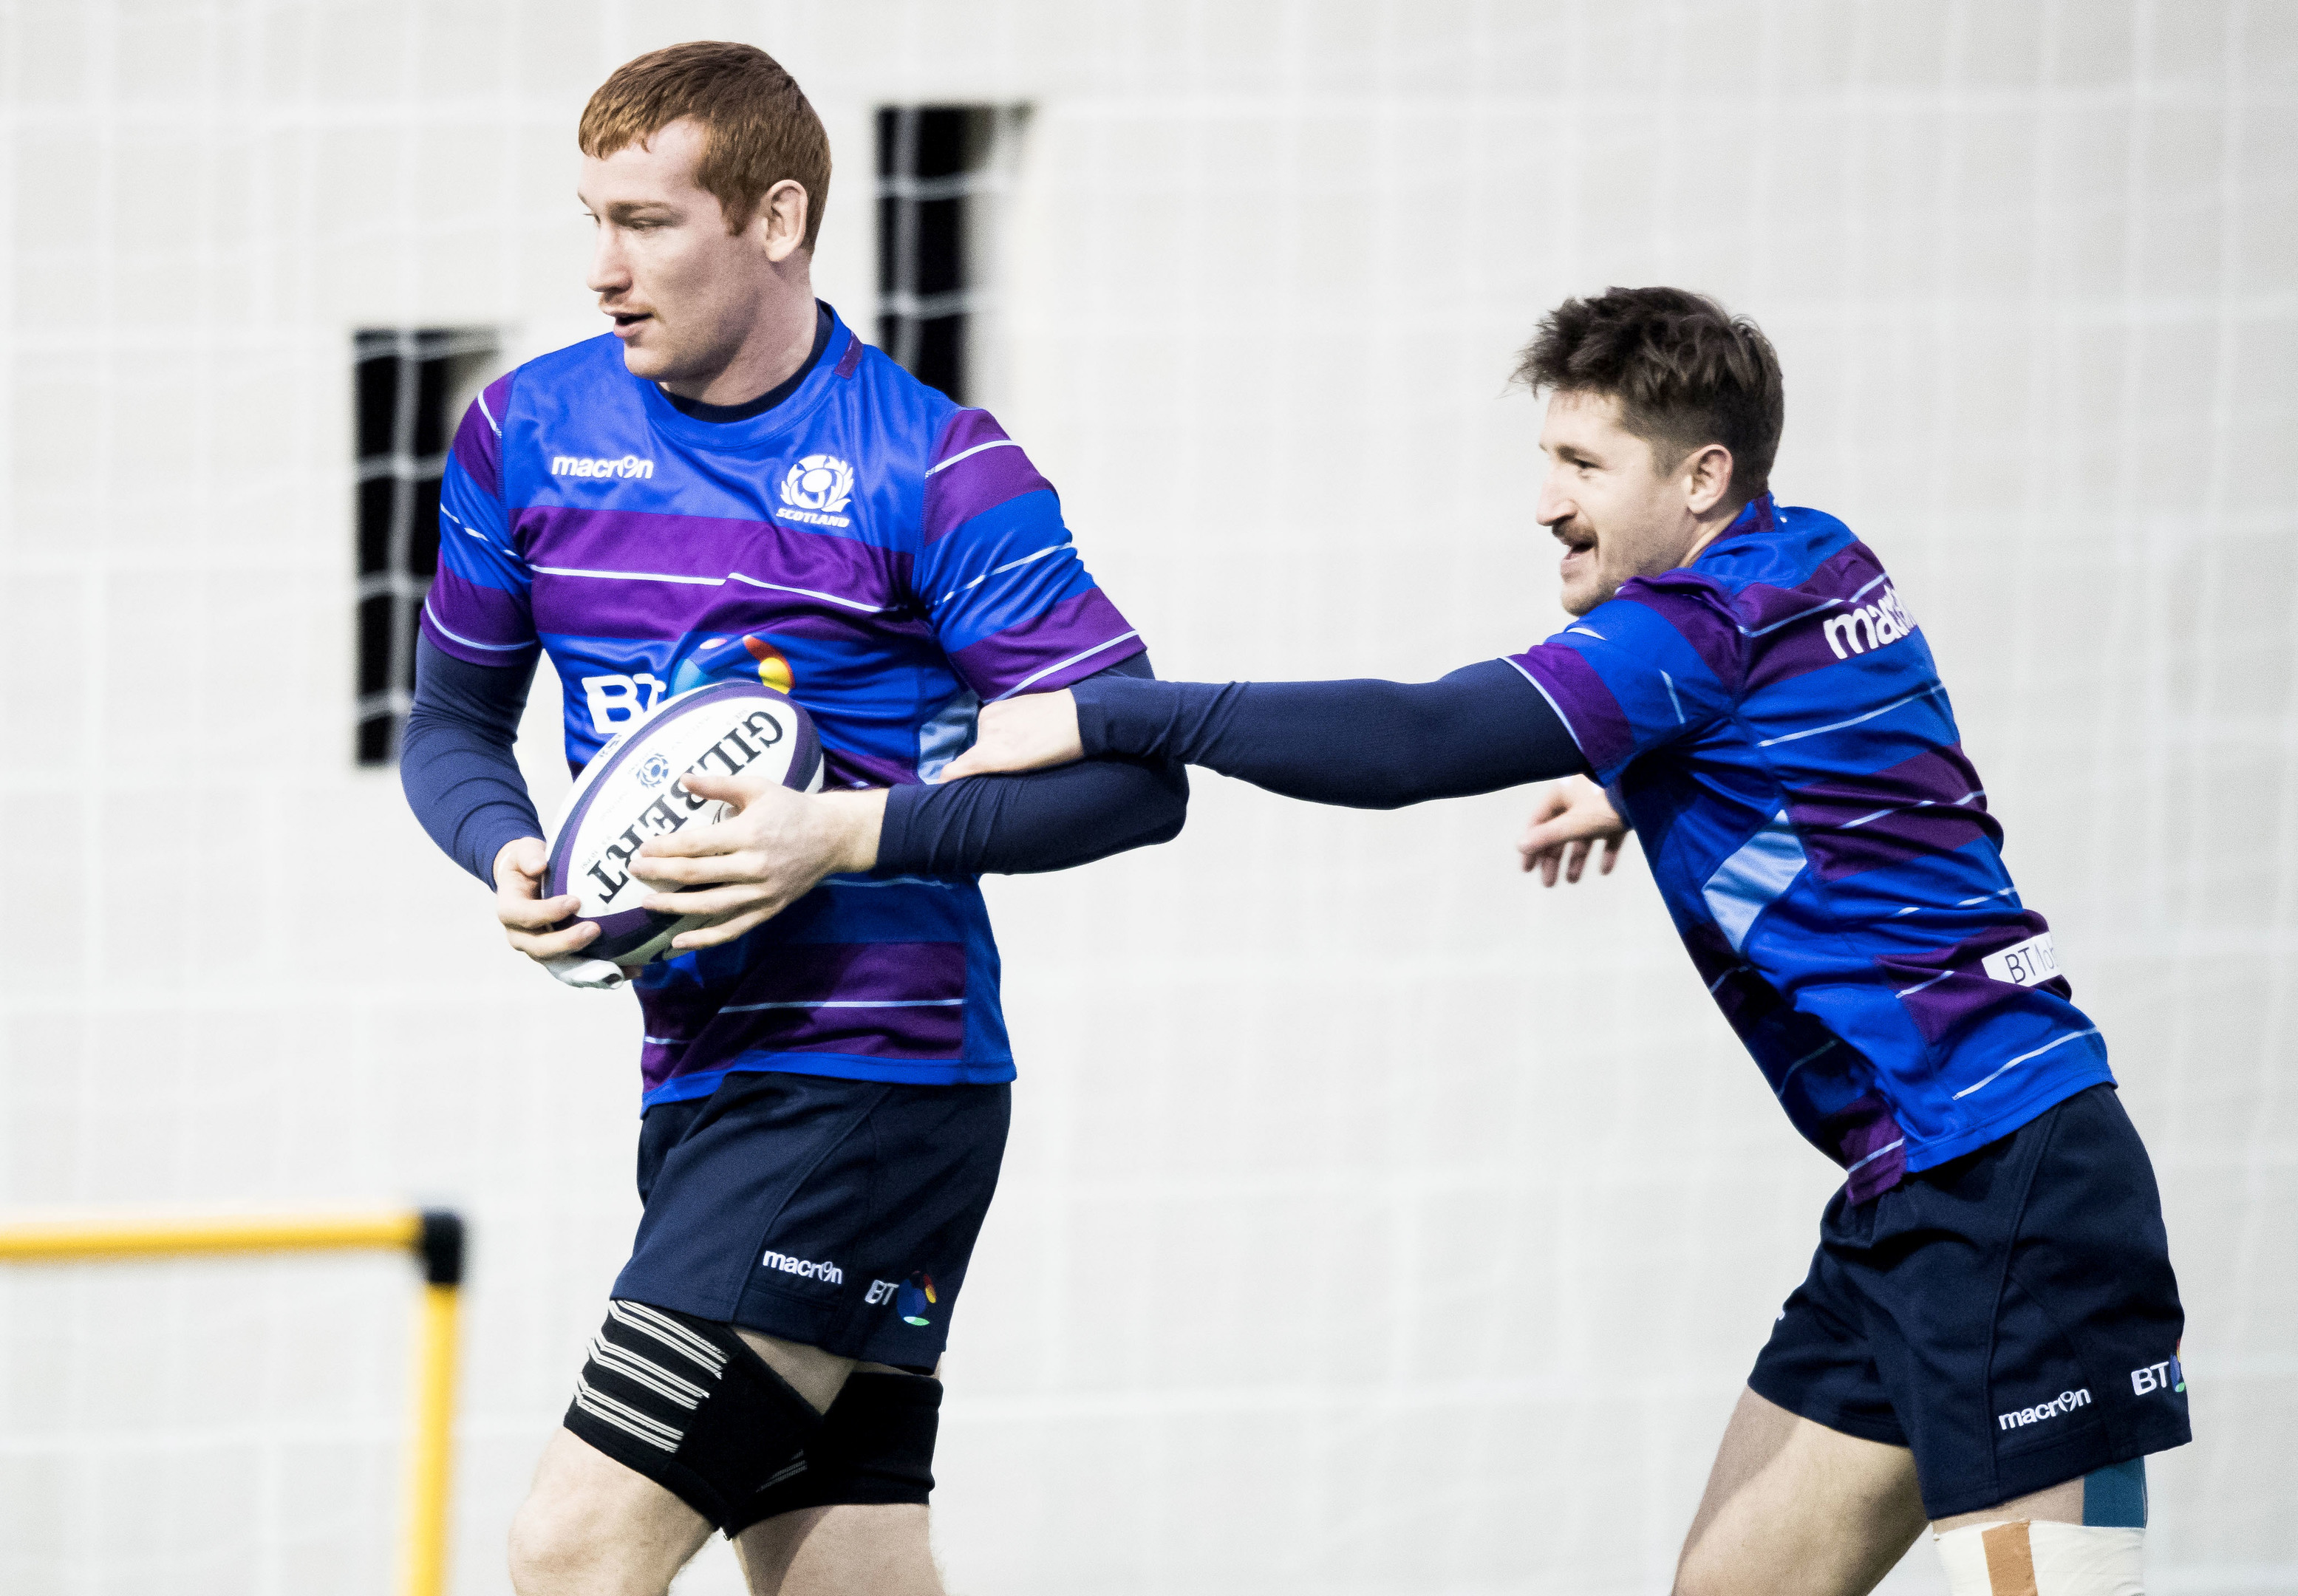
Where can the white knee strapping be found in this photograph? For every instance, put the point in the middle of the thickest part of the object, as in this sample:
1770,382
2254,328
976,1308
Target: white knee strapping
2042,1559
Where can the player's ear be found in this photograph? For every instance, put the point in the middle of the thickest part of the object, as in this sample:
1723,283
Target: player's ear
1706,476
781,218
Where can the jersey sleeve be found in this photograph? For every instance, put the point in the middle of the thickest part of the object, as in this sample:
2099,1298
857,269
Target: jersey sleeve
479,609
1013,605
1643,669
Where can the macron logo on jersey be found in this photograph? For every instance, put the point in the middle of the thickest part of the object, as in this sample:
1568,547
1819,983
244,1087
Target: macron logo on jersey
1884,622
582,464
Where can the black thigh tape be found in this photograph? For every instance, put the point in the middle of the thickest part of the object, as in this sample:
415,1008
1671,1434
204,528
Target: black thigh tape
688,1405
875,1446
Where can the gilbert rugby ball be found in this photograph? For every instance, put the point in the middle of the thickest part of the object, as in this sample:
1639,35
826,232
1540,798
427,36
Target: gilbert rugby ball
632,791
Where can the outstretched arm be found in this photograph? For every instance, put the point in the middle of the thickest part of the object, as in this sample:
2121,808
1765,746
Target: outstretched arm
781,844
1048,820
1369,745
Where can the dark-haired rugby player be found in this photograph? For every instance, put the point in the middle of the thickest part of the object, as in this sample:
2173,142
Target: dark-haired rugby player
732,485
1987,1335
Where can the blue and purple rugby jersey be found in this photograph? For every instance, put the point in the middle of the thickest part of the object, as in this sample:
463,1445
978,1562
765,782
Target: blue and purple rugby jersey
1771,721
888,559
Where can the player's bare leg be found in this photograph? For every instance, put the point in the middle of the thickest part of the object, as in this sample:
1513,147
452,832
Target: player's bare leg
851,1550
1795,1508
591,1526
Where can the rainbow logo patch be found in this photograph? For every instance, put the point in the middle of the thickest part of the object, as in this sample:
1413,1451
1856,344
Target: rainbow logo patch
773,665
915,1296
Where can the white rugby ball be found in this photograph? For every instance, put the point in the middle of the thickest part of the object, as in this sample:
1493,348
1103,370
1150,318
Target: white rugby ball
633,791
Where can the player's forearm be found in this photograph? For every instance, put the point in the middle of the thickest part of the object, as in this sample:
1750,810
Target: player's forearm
1367,745
1045,820
456,763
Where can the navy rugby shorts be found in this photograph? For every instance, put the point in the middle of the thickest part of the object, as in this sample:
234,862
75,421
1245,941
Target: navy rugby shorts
838,1214
2010,1315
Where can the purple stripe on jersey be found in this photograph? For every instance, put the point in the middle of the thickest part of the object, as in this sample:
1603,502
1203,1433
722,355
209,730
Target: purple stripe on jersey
1947,989
850,361
664,545
1680,601
843,768
1067,644
1588,709
972,482
1929,804
484,625
1767,611
1867,614
1869,1144
877,999
478,440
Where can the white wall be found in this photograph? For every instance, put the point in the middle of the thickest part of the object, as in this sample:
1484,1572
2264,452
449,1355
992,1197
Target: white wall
1374,1222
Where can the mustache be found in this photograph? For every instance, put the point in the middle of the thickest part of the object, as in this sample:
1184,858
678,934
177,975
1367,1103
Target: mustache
1572,532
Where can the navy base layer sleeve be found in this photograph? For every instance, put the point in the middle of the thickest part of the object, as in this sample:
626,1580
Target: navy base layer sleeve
1367,745
455,759
463,782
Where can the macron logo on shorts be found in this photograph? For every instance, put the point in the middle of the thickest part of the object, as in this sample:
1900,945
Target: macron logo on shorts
804,1268
2066,1401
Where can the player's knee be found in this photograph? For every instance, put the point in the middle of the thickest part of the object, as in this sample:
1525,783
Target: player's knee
557,1536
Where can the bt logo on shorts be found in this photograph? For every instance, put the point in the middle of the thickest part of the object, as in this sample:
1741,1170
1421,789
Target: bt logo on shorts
615,701
2165,1375
911,1297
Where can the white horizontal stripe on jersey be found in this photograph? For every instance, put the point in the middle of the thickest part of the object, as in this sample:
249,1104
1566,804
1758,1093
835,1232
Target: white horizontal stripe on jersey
1910,808
1063,665
1871,1157
2071,1036
1799,616
629,576
1907,992
969,453
1781,1090
809,593
1010,564
847,1002
471,643
1839,725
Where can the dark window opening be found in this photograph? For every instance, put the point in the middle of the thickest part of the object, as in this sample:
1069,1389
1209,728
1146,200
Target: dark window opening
410,388
941,170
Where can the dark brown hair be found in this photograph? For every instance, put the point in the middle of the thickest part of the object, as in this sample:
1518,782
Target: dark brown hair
757,129
1686,371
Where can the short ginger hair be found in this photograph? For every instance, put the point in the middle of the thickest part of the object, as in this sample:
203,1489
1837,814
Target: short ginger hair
757,127
1686,371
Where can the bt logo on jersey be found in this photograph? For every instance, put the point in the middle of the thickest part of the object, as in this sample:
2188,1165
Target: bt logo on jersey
815,489
615,701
